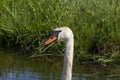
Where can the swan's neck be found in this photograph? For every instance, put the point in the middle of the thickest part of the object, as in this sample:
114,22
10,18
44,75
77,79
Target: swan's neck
68,59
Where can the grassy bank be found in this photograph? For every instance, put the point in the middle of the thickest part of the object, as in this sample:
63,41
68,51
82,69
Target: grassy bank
95,24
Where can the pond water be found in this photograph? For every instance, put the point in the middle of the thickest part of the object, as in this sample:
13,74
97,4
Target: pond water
18,67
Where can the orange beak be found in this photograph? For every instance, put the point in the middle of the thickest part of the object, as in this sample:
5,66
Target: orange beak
51,39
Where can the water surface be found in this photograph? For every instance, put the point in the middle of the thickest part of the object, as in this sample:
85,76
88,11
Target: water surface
18,67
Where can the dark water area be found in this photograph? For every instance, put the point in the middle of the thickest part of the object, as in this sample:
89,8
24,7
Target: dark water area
18,67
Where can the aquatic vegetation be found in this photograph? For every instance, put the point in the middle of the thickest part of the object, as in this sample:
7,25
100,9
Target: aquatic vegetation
95,23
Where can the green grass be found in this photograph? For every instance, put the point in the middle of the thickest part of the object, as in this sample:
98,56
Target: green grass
95,23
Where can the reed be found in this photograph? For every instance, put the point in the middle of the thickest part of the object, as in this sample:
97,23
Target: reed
95,23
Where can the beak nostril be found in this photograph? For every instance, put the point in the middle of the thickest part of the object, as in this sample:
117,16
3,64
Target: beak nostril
51,37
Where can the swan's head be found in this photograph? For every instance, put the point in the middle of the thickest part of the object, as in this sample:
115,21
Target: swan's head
60,33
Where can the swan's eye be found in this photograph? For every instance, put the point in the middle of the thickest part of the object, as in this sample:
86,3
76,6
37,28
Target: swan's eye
54,33
57,32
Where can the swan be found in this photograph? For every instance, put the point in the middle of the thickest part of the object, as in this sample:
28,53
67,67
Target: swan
65,34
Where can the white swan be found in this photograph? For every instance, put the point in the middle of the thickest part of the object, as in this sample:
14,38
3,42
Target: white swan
65,34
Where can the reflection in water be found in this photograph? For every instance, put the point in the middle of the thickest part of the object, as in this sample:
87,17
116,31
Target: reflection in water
11,74
16,67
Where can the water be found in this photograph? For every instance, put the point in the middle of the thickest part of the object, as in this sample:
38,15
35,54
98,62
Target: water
18,67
